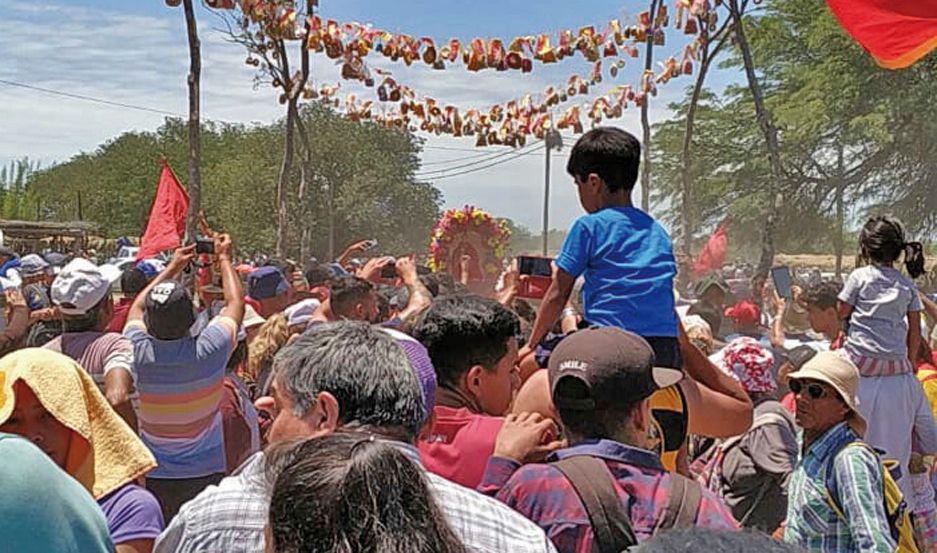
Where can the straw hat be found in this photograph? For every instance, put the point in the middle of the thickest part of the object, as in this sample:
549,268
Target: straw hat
839,372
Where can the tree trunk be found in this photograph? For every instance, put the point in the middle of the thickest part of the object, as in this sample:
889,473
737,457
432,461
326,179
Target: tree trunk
194,80
293,90
331,214
771,140
645,122
285,168
305,195
706,57
838,242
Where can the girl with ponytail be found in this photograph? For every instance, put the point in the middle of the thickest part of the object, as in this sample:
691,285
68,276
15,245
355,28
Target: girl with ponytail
881,306
882,312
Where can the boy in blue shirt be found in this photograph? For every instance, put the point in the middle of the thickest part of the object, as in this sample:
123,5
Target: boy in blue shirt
625,255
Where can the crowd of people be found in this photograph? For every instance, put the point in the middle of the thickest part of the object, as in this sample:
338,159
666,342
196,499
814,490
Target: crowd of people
375,406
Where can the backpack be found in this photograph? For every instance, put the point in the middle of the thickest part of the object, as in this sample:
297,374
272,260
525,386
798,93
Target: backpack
611,526
709,465
896,510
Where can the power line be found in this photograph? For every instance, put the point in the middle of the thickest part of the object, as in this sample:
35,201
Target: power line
473,163
475,150
104,101
89,98
463,158
490,165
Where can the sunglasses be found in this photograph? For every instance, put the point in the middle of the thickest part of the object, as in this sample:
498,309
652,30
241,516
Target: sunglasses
815,391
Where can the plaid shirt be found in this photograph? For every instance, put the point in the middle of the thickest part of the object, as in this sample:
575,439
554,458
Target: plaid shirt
811,521
541,493
230,517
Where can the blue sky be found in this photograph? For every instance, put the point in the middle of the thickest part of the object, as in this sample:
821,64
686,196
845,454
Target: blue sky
134,51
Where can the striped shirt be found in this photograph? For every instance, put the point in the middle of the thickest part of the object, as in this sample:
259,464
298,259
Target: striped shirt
811,521
97,352
180,384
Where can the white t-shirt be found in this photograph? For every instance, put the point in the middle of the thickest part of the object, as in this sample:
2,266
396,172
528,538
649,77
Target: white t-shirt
881,298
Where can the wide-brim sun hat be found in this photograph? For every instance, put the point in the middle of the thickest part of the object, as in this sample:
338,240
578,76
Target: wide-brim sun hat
840,374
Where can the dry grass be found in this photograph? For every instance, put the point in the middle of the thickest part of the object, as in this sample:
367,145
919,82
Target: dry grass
825,262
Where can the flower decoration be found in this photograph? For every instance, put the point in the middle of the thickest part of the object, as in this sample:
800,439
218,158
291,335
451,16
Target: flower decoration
472,227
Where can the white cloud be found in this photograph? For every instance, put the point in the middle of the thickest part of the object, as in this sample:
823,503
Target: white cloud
144,60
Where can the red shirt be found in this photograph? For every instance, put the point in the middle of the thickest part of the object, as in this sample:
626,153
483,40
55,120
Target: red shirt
460,445
121,308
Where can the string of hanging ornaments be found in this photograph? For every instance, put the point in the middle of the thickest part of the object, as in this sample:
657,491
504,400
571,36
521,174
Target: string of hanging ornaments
510,123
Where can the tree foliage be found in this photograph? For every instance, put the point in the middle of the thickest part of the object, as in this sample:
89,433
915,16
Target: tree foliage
369,169
15,203
827,97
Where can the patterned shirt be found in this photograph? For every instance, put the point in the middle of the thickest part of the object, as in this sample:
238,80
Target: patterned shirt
811,521
230,517
542,493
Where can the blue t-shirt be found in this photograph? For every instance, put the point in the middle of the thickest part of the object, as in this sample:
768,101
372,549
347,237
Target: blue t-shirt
628,264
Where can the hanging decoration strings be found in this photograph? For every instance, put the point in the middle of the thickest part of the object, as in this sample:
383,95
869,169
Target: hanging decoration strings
509,123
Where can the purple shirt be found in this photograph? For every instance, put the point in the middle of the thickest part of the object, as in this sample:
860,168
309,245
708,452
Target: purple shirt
132,513
541,493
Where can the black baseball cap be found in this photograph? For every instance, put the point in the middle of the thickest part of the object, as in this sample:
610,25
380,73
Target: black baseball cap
169,310
599,368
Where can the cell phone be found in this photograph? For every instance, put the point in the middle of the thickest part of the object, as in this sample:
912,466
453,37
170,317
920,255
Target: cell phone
782,282
369,245
204,245
389,270
535,266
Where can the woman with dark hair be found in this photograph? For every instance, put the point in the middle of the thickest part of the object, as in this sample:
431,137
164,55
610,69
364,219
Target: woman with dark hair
349,492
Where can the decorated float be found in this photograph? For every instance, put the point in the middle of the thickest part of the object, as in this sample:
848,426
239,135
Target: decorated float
474,236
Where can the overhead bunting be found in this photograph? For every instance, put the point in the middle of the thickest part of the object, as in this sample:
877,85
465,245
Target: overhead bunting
513,122
510,123
354,41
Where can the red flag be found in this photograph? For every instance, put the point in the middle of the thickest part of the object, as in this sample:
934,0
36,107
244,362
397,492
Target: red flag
713,254
166,226
896,33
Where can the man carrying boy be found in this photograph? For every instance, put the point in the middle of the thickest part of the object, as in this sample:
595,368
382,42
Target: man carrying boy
625,255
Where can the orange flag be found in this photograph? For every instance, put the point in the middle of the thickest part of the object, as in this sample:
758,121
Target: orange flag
896,33
166,226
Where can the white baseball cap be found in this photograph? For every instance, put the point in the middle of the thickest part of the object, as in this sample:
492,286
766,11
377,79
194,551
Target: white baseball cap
301,313
81,285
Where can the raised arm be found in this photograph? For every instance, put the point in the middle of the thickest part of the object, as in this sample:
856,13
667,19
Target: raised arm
230,282
551,307
420,298
180,259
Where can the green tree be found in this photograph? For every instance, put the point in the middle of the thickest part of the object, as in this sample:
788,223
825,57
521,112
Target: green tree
369,169
15,203
849,134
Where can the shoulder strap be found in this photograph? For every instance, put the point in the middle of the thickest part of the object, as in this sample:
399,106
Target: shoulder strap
761,495
682,504
763,419
829,478
592,481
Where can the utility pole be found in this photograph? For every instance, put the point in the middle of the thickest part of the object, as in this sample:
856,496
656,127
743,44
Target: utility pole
552,140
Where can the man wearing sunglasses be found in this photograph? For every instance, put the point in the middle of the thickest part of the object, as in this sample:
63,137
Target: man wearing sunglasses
825,389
